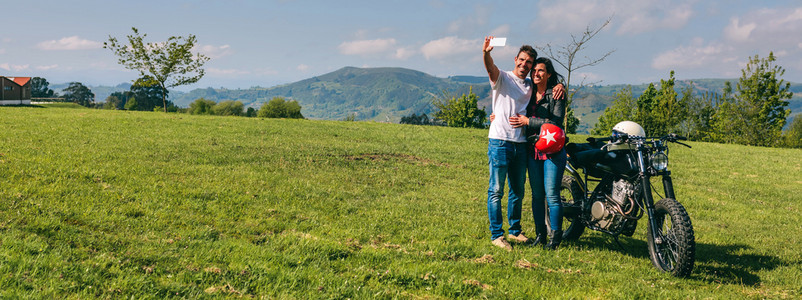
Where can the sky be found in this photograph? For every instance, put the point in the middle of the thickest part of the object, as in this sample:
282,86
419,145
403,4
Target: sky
268,43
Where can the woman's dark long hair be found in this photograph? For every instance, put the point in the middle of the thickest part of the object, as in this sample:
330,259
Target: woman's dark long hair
555,77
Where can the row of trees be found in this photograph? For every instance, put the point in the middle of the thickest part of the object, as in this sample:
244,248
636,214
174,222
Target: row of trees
754,112
144,95
453,111
75,92
275,108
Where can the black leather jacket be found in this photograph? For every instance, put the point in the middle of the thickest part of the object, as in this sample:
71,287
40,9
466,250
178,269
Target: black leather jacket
549,110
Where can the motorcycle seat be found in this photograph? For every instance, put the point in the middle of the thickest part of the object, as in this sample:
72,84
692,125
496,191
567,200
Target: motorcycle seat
586,156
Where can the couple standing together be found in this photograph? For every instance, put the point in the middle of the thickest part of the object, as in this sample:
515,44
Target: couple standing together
521,106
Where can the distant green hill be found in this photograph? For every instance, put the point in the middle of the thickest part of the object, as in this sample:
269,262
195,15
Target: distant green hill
380,94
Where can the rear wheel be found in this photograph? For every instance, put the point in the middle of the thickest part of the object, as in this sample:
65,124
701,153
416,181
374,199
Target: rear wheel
673,248
572,197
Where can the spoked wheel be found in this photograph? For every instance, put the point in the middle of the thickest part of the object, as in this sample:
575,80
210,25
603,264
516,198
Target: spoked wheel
571,196
673,249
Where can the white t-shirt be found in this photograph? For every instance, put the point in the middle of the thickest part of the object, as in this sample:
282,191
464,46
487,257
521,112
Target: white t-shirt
510,97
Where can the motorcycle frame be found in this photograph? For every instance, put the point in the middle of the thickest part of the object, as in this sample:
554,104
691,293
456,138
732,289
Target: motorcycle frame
644,173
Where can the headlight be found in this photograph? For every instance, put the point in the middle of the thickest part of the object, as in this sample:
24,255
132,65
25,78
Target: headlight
659,161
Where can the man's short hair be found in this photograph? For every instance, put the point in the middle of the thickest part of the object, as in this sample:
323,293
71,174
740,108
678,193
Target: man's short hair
529,50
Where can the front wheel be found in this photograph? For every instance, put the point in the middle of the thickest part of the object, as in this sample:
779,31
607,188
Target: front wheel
673,249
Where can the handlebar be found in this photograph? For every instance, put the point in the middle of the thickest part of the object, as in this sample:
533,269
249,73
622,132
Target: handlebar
671,137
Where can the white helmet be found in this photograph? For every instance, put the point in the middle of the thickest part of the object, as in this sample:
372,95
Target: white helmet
630,128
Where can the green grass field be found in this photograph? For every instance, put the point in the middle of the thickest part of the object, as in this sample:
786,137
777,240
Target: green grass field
117,204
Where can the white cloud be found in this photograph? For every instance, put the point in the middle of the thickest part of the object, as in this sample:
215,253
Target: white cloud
225,72
15,68
471,22
2,51
449,46
404,53
696,55
737,32
629,17
302,68
501,31
69,43
767,28
214,51
45,68
367,47
587,78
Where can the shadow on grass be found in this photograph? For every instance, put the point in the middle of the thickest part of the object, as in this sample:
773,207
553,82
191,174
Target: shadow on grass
724,264
25,105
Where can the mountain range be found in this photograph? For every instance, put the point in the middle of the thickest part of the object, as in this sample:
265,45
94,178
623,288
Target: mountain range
387,94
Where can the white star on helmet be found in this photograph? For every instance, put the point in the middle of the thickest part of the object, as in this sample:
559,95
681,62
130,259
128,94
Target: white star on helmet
549,136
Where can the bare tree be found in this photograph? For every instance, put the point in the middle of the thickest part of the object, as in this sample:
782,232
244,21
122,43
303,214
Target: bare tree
566,56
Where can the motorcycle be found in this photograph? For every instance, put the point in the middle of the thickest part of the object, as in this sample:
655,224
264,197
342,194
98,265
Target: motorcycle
622,166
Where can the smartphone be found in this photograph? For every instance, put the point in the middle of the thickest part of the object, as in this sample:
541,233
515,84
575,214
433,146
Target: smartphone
498,42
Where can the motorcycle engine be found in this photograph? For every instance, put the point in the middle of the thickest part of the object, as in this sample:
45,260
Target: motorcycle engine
609,211
622,191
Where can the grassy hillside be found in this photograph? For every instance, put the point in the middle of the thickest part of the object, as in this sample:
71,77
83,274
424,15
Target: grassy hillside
114,204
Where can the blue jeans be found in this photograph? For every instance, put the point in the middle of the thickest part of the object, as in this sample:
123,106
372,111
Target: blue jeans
506,160
545,178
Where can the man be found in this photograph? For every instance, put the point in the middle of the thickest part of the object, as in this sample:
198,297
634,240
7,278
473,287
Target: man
506,150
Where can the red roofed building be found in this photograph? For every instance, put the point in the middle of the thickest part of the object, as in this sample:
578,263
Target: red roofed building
15,90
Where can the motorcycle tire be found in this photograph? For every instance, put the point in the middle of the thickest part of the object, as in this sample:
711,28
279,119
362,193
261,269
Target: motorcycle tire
571,196
674,249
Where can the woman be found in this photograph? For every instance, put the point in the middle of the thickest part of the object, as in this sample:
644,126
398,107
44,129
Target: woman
545,170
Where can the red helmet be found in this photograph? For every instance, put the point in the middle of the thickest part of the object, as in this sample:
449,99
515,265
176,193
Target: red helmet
552,139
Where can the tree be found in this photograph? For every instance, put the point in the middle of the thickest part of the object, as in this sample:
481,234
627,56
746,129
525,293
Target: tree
201,107
228,108
149,93
39,88
112,101
659,111
668,111
765,95
279,108
170,63
757,113
117,100
79,94
565,55
645,104
131,104
351,117
250,113
727,123
792,137
460,112
623,108
698,121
